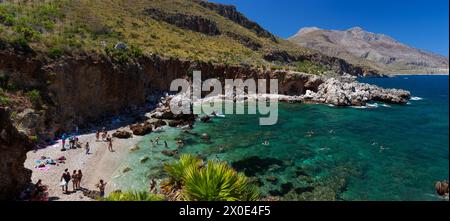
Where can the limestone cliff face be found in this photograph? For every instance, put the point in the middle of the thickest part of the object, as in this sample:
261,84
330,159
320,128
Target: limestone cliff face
82,89
13,147
230,12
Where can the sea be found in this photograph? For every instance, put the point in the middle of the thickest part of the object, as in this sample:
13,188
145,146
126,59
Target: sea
382,152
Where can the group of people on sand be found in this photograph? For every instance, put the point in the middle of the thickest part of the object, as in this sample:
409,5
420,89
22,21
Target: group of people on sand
74,142
75,177
104,137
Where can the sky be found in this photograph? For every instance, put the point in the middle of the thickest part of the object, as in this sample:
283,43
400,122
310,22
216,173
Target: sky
421,24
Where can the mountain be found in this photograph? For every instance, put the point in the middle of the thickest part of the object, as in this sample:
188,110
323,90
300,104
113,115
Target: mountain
378,51
193,30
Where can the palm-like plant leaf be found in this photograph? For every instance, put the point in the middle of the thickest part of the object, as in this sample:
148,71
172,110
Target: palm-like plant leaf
217,182
177,170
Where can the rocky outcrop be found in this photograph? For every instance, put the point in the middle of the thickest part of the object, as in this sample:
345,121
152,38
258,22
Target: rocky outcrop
191,22
351,93
141,129
442,188
230,12
122,134
13,148
338,91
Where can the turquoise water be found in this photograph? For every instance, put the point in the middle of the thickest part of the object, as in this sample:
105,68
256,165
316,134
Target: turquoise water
318,152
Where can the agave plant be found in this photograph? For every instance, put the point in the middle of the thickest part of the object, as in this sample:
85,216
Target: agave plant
177,170
217,182
134,196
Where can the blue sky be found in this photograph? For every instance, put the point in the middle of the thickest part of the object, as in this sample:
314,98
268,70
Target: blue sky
421,24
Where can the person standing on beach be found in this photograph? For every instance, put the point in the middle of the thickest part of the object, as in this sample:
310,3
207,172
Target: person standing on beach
86,147
109,140
105,136
101,186
65,178
79,177
74,180
97,135
63,144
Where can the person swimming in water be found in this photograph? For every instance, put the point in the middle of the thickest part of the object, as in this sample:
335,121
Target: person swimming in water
266,142
383,148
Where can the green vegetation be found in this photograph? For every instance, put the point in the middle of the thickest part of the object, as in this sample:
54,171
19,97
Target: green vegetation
307,66
124,55
33,95
56,27
33,139
178,169
25,23
133,196
4,99
215,181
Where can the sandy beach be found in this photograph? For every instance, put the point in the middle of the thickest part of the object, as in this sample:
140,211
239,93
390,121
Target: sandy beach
99,164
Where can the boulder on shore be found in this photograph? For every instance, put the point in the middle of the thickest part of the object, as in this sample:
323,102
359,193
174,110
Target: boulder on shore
122,134
141,129
159,123
442,188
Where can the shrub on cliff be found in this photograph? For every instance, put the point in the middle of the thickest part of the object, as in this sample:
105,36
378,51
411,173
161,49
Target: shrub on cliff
4,100
309,67
124,55
34,96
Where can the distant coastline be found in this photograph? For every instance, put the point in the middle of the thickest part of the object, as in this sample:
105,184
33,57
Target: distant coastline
409,74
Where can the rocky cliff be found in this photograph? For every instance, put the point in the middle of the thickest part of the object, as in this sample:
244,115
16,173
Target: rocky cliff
230,12
81,89
13,148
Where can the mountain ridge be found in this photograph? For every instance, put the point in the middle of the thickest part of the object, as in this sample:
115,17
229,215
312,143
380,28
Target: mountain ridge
379,51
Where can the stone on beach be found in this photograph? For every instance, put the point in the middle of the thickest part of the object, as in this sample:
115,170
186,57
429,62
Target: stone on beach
135,148
122,134
141,129
144,159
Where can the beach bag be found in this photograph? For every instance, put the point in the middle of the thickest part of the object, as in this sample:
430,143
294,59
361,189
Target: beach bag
63,183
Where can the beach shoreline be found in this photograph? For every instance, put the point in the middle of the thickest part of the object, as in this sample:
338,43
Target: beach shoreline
99,164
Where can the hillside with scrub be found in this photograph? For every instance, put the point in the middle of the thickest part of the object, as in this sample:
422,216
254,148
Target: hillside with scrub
184,29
